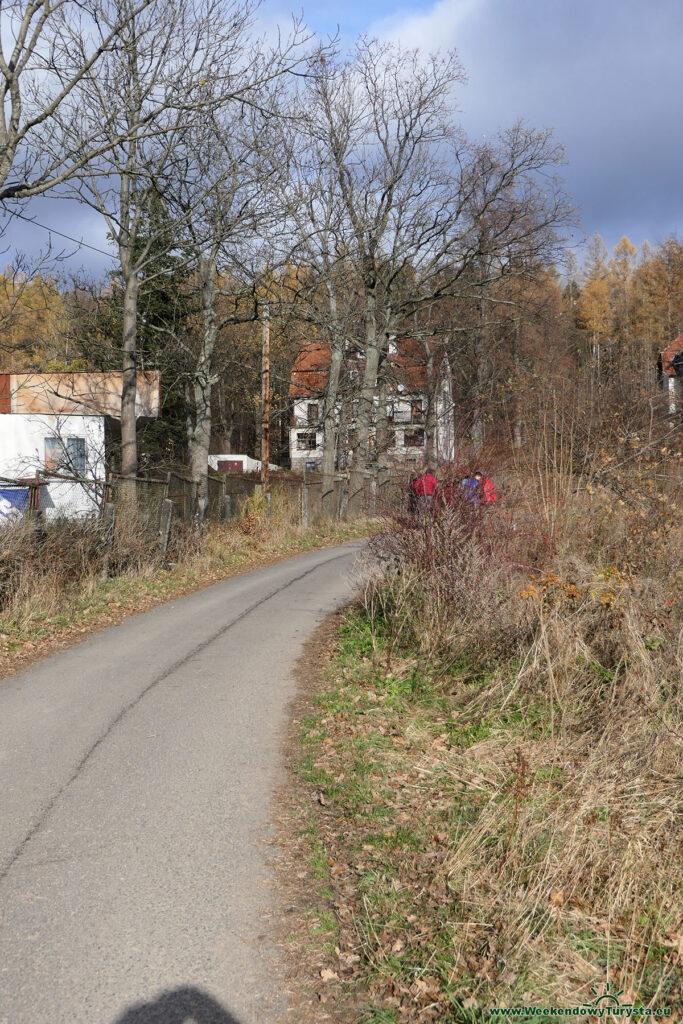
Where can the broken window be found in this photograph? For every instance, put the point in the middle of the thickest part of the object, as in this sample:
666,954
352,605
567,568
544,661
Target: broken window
307,442
313,413
417,411
414,438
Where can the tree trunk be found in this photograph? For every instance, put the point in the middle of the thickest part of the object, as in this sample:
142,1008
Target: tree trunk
517,427
328,503
477,432
381,424
383,475
200,438
129,444
226,422
430,410
330,426
361,456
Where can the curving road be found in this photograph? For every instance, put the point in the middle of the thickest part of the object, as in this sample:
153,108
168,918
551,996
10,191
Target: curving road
136,771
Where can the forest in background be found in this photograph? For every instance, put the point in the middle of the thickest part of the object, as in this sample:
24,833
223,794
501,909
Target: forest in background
600,325
244,179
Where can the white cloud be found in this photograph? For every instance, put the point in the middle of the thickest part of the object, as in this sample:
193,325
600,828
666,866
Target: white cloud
433,30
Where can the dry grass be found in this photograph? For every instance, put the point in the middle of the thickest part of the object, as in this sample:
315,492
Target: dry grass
500,760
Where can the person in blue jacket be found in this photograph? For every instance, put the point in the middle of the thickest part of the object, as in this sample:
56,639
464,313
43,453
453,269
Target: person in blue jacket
470,489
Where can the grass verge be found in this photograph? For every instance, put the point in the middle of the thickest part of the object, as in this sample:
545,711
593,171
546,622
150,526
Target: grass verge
494,763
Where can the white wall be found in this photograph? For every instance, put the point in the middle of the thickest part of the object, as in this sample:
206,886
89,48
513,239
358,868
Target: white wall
445,442
22,454
299,457
249,465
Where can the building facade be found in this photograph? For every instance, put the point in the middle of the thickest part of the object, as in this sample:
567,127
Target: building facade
670,369
52,434
405,396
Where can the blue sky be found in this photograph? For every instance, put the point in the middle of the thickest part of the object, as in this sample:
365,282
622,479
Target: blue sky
604,75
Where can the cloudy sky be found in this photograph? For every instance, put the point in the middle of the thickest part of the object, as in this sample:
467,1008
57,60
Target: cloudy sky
604,75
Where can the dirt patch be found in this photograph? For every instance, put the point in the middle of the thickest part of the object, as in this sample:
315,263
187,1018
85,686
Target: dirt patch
317,991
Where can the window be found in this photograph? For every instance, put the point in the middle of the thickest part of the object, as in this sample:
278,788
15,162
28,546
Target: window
313,413
65,455
417,411
414,438
391,438
307,442
390,412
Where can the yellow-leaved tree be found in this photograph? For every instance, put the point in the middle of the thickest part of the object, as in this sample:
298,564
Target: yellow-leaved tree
33,323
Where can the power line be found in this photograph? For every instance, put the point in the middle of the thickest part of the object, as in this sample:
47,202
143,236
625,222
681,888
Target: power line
54,231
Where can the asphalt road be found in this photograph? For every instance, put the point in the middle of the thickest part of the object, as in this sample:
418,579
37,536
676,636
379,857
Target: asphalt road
136,772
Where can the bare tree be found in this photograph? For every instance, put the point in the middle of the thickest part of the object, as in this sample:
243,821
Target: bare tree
219,225
173,64
222,187
316,231
48,49
422,206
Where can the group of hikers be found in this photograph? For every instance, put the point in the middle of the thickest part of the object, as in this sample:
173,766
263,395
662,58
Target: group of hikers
457,491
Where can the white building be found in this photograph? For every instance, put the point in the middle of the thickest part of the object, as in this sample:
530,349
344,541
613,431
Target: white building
670,367
406,408
47,447
232,463
52,434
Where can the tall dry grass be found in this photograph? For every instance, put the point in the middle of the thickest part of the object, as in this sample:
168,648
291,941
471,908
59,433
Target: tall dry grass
556,621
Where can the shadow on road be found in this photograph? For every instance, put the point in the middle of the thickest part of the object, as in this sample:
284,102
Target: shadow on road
181,1006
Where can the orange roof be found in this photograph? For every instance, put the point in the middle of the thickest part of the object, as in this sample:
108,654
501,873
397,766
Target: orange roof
310,370
669,354
406,366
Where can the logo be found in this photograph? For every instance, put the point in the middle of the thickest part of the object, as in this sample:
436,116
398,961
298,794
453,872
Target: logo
608,997
606,1006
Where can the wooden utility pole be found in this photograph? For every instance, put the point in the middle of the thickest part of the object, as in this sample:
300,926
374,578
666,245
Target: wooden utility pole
265,398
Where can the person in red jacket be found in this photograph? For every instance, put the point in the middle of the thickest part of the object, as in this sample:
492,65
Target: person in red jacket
426,489
487,492
426,485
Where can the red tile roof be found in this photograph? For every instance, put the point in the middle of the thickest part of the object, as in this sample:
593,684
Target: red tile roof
406,366
669,354
310,370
